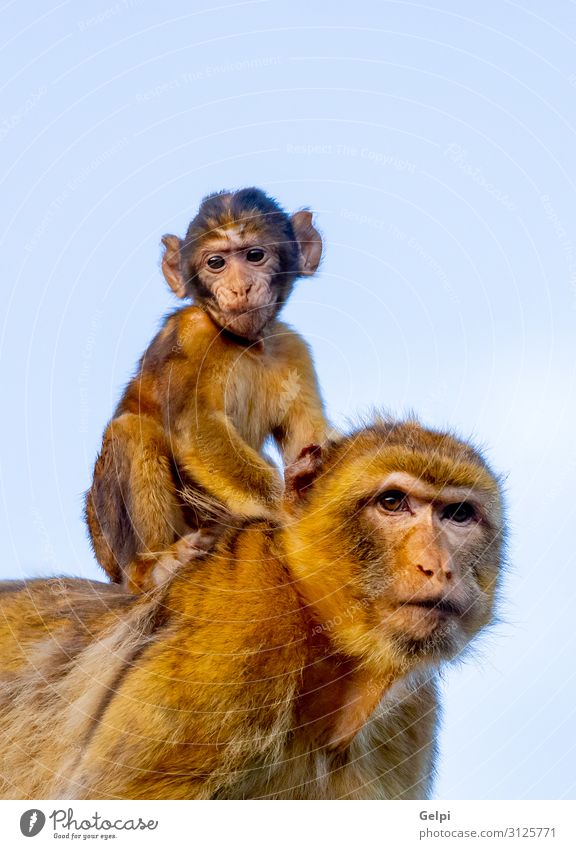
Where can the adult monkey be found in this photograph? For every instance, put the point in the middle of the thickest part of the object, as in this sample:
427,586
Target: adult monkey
218,379
298,660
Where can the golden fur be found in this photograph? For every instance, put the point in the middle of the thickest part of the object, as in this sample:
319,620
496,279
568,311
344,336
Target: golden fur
267,670
184,449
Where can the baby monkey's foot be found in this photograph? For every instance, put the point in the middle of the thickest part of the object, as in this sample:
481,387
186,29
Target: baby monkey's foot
190,547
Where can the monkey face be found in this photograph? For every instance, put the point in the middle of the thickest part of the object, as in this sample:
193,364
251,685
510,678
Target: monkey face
237,277
434,579
240,258
404,528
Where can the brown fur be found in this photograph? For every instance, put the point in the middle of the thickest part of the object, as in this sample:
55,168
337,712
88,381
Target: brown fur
185,447
274,668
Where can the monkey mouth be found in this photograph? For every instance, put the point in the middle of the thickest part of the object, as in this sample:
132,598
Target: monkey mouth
421,619
245,308
246,321
443,606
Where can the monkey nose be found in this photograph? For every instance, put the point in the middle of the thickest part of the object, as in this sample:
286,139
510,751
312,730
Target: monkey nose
240,291
438,570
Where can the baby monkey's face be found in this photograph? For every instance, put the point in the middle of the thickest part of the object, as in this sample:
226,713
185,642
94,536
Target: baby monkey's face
240,258
237,274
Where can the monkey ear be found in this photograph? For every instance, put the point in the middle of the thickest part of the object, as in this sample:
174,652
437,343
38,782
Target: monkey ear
171,265
301,474
309,240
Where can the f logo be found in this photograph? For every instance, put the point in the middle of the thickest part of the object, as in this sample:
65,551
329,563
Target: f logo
32,822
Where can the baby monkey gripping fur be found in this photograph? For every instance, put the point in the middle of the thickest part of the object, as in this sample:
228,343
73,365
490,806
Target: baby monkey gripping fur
183,452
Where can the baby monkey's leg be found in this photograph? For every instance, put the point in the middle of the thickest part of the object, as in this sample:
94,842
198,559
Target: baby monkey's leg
132,508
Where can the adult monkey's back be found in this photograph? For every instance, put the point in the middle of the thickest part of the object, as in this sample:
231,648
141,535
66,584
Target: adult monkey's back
297,661
219,378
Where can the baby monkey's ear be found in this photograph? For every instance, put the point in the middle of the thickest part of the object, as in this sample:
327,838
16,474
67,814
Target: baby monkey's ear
300,475
172,265
309,242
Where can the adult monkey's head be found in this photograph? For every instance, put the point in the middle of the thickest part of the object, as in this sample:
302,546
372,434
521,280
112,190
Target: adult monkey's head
240,258
396,537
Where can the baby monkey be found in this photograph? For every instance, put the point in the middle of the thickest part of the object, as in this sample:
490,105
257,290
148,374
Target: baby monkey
183,451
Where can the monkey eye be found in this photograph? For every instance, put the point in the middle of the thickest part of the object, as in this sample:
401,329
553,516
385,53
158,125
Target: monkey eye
216,263
255,254
460,513
393,500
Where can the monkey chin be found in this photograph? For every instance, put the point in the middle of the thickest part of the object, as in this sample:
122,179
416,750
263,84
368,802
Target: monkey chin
249,323
428,632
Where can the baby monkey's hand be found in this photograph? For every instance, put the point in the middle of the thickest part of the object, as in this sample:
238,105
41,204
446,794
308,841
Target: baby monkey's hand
194,545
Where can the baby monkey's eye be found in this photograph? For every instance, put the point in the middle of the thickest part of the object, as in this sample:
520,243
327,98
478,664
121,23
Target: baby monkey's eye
460,513
393,500
216,262
255,255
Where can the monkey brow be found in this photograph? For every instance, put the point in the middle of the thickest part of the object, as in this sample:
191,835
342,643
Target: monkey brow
219,248
231,242
466,480
437,470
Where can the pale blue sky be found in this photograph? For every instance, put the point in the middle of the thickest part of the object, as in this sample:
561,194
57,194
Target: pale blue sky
436,143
